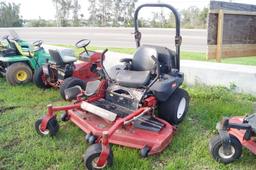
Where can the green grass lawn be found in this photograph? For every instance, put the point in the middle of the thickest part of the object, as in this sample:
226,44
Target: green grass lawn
22,148
194,56
184,55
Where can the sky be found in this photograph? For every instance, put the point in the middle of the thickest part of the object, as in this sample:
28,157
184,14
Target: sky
33,9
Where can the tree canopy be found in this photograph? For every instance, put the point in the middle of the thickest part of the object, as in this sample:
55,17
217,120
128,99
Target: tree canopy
10,15
63,10
102,13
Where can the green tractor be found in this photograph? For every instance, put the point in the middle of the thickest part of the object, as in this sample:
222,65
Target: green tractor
19,59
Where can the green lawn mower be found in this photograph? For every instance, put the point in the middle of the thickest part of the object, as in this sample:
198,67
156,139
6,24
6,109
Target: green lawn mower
19,59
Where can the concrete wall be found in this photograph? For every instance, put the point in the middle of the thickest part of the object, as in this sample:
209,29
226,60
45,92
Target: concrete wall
240,77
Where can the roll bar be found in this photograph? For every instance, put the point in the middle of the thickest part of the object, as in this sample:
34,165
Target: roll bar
178,39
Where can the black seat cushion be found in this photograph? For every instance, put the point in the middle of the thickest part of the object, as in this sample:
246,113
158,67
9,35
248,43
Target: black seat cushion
9,52
113,71
166,58
61,60
252,121
141,67
134,79
68,59
142,59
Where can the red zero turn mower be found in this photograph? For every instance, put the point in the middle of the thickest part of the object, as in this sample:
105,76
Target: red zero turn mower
122,109
234,133
65,70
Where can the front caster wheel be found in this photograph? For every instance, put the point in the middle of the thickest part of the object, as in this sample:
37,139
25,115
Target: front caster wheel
144,151
92,139
51,128
87,136
216,149
64,117
92,156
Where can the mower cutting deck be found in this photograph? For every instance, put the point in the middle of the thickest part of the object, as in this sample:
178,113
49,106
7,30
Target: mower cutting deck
122,108
131,136
234,133
106,122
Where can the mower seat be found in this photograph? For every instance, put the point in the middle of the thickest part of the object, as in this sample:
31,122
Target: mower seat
251,119
166,58
142,65
62,57
68,59
8,52
25,51
131,78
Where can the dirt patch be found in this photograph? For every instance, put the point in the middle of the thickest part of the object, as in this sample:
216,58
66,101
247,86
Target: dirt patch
4,109
12,143
160,164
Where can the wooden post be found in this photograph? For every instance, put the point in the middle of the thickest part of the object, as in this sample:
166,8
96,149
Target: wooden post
219,35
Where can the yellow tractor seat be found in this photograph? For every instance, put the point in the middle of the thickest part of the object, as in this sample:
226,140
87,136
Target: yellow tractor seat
23,51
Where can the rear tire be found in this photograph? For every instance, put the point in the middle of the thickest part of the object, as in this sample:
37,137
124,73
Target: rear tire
38,80
175,108
18,73
92,154
71,82
216,149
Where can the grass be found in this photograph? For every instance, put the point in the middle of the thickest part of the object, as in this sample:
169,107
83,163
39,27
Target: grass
22,148
184,55
194,56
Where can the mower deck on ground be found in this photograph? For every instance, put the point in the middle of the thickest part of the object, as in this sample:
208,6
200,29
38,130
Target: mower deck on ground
65,70
121,109
234,133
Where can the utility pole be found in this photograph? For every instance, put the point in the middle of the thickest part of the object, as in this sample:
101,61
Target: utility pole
57,15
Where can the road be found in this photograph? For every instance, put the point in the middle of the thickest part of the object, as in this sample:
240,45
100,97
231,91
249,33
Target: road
193,40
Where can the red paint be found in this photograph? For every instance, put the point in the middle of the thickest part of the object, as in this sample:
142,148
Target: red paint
117,133
150,101
81,70
104,153
128,136
121,131
239,134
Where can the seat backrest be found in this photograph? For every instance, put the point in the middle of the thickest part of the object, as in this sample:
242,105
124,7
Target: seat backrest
142,59
166,58
251,119
23,52
56,57
66,52
8,48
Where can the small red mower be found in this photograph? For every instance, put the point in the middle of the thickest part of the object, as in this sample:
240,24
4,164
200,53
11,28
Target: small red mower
122,109
65,70
234,133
